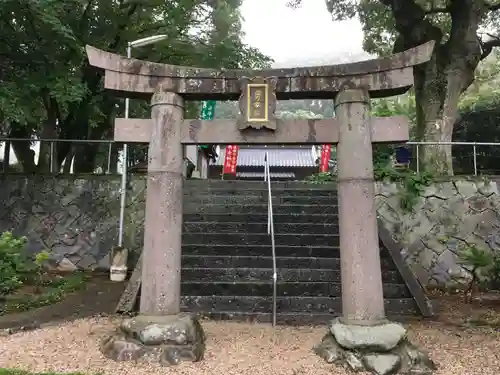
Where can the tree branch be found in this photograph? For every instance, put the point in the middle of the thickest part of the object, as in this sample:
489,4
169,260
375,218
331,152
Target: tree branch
91,77
437,10
487,47
83,20
411,24
493,7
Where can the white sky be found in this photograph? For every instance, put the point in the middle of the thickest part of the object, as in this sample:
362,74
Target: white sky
305,36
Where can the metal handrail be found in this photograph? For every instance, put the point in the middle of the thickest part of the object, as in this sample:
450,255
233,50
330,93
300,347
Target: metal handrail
270,230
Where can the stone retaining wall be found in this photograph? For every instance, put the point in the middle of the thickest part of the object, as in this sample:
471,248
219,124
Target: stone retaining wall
448,217
76,219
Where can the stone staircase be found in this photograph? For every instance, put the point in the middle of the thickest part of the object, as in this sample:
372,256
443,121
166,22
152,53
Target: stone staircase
227,260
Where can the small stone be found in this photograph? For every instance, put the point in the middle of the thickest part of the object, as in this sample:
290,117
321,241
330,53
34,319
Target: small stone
118,348
173,354
378,338
353,362
414,360
329,349
382,364
57,263
170,356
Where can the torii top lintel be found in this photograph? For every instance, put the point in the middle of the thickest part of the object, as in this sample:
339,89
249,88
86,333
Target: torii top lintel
386,76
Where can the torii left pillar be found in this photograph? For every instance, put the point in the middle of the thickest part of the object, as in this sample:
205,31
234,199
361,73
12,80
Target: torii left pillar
161,333
161,260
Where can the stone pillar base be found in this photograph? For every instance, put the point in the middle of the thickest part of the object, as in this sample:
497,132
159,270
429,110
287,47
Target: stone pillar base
166,340
381,349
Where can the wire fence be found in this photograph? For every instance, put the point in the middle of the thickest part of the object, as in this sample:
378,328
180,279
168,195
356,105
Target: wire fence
69,156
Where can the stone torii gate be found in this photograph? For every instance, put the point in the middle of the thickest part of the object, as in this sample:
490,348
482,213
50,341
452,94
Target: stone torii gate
363,325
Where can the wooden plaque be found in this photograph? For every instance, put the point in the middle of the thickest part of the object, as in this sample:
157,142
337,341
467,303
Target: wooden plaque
257,103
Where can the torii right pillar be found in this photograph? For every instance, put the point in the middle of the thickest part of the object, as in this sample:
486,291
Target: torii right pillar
363,339
359,250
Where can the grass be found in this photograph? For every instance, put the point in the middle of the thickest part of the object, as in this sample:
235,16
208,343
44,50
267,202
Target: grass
42,295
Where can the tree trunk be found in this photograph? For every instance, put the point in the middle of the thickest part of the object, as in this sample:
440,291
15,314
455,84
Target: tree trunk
47,150
85,157
438,86
22,149
436,111
6,157
113,162
440,82
68,159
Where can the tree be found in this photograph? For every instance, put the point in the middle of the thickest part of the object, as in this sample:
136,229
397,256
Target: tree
49,90
465,32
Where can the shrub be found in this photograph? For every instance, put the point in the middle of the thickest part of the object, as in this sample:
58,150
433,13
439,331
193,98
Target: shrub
13,262
484,268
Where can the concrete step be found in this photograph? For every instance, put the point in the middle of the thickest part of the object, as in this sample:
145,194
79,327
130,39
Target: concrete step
261,250
190,192
265,289
229,261
191,238
244,198
402,313
261,217
266,274
281,228
228,209
287,305
255,185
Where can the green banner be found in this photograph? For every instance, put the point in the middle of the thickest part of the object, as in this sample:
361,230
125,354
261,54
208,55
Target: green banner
207,112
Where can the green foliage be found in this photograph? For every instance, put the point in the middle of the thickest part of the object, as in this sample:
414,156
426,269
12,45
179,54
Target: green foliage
479,259
411,184
495,272
484,267
17,271
48,87
53,291
41,258
12,262
462,39
321,178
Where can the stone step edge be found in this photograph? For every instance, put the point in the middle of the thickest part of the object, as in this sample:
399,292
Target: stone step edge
253,223
262,183
314,299
263,246
299,318
263,214
266,234
269,269
260,257
264,195
261,282
263,204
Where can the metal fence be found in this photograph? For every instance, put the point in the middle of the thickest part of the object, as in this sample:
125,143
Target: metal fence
469,158
58,155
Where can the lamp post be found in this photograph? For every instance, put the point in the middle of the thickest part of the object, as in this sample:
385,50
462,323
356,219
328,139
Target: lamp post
136,43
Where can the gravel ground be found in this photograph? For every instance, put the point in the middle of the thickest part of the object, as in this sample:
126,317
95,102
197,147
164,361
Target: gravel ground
237,348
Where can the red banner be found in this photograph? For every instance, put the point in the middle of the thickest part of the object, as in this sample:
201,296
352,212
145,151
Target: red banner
325,157
231,159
